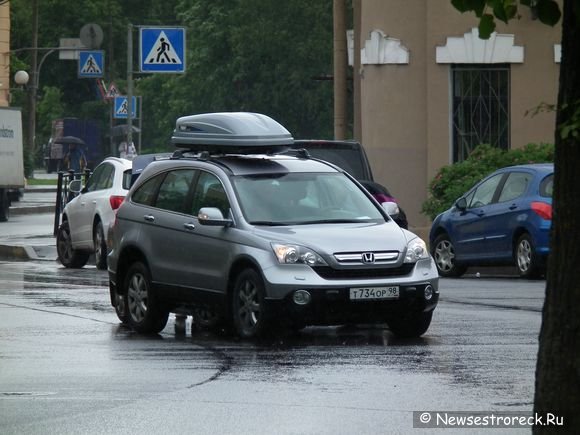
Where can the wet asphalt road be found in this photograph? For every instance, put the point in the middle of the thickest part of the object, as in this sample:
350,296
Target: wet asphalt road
68,367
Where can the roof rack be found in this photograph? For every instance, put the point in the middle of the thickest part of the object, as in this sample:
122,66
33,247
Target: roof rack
301,153
231,133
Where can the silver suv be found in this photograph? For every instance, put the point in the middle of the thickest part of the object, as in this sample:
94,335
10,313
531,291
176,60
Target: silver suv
262,239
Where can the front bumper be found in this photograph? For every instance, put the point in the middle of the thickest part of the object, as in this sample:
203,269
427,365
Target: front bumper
333,306
330,302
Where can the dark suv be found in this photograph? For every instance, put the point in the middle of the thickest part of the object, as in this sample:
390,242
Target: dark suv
259,239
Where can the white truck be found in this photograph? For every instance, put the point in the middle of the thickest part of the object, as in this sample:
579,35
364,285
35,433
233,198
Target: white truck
11,158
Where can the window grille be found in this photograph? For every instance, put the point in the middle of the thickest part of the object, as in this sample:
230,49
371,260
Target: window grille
480,107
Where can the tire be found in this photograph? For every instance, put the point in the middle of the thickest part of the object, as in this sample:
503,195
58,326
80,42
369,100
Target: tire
248,309
100,246
69,257
120,305
412,325
443,253
144,312
526,259
4,206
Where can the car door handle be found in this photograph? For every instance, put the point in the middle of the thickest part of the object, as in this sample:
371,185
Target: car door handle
149,218
94,202
480,213
513,207
189,226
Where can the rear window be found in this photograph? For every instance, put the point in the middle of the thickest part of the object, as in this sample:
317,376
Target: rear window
346,156
547,186
127,177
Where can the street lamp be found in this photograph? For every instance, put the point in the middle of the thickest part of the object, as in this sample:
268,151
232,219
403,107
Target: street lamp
21,78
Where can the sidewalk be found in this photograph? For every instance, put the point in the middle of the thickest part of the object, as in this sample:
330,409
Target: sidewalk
28,233
28,237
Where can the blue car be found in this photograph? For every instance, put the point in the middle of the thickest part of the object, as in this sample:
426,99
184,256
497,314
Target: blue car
504,220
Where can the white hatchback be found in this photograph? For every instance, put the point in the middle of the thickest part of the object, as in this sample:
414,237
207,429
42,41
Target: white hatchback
86,219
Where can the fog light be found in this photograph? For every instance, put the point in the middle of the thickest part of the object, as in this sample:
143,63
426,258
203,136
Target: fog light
428,292
301,297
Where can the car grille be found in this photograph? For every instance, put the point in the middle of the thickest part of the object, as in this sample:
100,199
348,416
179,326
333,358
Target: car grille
363,273
376,257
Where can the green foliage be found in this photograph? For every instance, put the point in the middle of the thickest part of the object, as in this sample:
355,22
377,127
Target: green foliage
452,181
50,107
255,55
548,12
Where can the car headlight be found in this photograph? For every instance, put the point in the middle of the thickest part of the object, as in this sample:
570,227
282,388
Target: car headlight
296,254
416,250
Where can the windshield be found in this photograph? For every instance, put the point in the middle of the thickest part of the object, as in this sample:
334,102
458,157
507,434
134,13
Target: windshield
302,199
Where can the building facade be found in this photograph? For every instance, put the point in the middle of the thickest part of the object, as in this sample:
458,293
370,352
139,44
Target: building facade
431,89
4,53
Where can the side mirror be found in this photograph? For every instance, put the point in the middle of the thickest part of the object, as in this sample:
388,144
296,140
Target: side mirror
75,186
391,208
212,216
461,204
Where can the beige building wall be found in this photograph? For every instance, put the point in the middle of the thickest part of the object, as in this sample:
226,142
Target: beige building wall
4,54
406,108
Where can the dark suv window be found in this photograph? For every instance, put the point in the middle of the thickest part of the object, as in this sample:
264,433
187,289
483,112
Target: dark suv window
146,193
209,192
174,189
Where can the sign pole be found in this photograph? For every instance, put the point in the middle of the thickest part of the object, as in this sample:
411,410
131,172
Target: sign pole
129,85
140,112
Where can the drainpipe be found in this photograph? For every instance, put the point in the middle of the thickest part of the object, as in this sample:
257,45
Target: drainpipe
340,65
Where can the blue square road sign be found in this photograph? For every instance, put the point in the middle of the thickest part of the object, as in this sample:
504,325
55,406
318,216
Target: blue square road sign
162,49
121,107
91,63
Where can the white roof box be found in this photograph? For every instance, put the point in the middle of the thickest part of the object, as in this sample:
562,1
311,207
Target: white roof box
231,132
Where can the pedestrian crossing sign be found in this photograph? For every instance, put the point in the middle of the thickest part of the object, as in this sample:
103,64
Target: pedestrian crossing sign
121,107
162,49
91,63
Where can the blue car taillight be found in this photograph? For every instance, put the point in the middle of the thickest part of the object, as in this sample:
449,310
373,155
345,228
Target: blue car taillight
542,209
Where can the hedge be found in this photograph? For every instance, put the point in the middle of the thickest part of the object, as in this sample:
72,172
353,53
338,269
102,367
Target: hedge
454,180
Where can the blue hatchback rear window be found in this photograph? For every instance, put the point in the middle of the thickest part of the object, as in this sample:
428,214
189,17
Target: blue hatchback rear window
547,186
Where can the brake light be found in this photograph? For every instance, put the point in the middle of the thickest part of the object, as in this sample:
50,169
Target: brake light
116,201
542,209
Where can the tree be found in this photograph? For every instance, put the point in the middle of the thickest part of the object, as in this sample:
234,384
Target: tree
558,368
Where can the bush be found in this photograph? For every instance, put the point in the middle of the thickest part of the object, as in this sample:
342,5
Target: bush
452,181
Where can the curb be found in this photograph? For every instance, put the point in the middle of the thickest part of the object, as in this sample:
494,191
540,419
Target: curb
18,211
27,253
17,253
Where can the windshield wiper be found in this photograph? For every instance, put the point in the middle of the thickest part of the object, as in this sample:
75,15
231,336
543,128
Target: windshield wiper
268,223
331,221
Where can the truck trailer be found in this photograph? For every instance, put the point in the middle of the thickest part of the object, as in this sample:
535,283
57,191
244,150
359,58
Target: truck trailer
11,157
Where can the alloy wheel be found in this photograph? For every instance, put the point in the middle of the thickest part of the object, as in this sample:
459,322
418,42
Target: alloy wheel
524,255
65,249
137,297
444,255
249,304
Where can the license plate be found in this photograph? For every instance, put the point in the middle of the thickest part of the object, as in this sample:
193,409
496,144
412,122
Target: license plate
376,293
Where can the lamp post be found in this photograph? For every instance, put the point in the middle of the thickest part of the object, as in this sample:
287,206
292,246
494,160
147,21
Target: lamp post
22,78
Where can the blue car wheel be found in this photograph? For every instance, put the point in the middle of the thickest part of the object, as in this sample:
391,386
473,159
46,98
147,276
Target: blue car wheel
443,252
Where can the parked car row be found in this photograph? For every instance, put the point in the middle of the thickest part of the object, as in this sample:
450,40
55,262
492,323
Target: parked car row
237,230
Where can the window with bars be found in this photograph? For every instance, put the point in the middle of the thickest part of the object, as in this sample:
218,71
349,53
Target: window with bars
480,107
